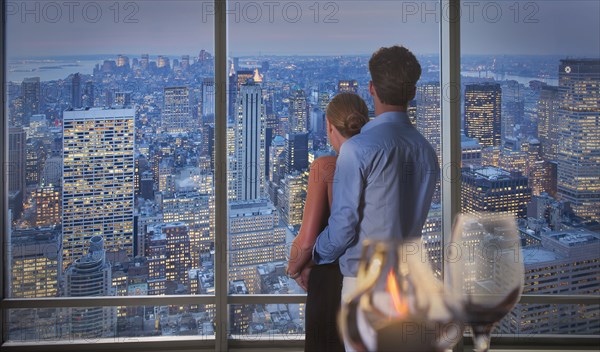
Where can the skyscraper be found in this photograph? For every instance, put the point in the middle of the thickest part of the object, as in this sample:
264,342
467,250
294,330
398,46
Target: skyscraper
176,114
547,109
317,122
242,78
192,209
30,91
208,100
254,238
296,149
47,206
17,141
90,322
98,179
292,197
566,262
277,163
579,136
88,94
33,258
483,113
512,115
178,258
428,116
298,112
471,152
76,91
491,189
250,143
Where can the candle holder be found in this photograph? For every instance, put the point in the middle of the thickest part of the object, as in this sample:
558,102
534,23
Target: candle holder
398,304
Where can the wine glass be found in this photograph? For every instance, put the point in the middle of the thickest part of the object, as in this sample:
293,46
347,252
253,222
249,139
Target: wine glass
486,270
399,304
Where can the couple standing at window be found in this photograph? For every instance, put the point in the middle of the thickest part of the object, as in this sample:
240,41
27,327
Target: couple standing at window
379,186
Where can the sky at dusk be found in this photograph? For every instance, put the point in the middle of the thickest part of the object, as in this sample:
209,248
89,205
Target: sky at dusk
46,28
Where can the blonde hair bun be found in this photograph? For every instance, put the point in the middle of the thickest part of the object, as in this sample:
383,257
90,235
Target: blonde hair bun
347,112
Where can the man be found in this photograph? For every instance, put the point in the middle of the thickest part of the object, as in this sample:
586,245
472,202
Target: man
385,176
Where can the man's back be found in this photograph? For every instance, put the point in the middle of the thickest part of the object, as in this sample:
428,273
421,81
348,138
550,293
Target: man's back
398,171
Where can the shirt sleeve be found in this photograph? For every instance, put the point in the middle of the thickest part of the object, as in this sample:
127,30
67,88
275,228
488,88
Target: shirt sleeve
348,184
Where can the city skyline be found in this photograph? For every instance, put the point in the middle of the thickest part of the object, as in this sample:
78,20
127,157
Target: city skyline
171,176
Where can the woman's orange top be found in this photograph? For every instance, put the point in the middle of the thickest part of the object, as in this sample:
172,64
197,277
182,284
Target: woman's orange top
316,212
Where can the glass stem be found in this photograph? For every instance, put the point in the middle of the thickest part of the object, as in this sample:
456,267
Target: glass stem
482,335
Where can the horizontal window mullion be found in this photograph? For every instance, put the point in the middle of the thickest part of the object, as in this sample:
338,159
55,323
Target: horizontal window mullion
266,299
560,299
112,301
535,342
105,301
138,343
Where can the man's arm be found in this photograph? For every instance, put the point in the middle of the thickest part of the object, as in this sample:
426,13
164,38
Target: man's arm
348,188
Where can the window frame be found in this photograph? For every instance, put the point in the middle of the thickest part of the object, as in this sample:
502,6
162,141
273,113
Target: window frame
450,120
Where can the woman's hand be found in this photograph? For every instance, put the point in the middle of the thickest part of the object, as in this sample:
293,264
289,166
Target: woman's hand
303,278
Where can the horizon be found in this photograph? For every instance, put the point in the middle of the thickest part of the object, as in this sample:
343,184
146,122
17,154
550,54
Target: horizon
178,55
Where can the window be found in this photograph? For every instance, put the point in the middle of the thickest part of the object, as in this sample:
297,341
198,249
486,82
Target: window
530,112
110,167
147,202
282,73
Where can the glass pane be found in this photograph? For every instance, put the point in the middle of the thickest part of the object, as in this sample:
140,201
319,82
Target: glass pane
282,74
287,60
110,152
97,324
575,319
531,110
266,321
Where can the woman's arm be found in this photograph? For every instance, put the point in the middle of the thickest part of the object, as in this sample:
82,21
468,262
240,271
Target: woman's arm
316,213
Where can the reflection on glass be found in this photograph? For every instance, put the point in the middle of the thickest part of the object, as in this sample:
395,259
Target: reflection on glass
487,273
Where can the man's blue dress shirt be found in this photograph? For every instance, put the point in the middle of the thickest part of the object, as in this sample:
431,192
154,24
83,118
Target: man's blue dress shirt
384,180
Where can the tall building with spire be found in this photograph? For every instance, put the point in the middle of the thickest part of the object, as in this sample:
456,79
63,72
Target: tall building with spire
579,136
98,180
483,113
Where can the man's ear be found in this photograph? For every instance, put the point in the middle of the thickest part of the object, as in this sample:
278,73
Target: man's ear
371,89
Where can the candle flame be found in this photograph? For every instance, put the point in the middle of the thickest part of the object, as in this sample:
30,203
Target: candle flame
397,300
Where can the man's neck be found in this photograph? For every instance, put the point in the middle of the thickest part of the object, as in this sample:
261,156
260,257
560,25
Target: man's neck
381,108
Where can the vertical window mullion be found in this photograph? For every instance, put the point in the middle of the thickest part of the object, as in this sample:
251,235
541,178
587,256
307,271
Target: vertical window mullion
221,269
4,169
450,115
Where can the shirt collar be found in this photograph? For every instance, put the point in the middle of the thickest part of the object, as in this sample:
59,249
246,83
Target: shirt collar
387,117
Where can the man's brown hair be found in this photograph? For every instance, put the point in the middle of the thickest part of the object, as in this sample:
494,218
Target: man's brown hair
395,72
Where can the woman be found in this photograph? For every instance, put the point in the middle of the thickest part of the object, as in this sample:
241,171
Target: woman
346,114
